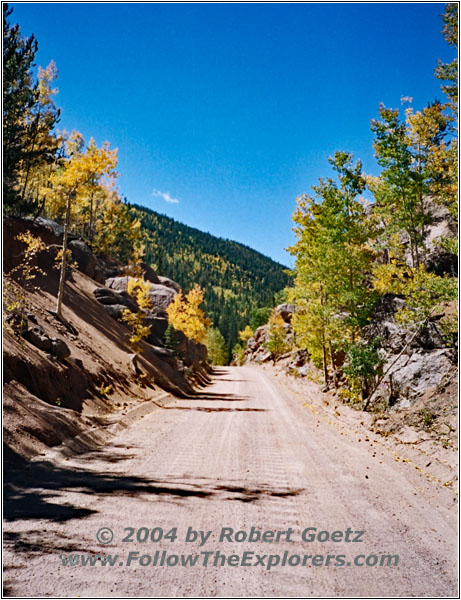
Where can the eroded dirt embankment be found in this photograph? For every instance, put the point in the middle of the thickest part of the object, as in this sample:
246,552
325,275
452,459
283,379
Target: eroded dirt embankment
66,379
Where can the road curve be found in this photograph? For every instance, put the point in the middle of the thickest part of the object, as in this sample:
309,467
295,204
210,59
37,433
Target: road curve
244,455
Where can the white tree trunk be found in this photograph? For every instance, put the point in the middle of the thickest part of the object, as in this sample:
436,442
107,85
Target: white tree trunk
62,278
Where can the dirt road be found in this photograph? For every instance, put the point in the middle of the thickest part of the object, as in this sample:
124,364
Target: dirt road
244,455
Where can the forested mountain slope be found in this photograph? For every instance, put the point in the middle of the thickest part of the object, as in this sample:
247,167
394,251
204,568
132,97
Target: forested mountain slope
235,278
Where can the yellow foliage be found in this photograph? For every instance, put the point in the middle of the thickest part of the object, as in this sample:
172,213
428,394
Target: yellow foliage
424,291
138,289
82,178
185,314
105,389
14,297
246,334
276,342
34,245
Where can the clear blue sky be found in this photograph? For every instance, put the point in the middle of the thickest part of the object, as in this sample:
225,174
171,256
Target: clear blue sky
233,109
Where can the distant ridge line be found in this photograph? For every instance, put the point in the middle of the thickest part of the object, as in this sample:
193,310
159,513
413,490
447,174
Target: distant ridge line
197,230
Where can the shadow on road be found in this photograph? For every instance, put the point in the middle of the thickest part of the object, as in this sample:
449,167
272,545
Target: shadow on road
32,489
41,491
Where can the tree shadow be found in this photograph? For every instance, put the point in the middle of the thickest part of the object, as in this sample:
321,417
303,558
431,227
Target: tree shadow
42,494
31,487
219,397
233,380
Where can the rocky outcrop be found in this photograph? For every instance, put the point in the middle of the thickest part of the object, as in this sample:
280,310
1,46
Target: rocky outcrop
413,361
255,350
383,325
116,299
299,363
285,311
166,281
393,336
38,337
118,283
160,297
108,297
414,374
158,326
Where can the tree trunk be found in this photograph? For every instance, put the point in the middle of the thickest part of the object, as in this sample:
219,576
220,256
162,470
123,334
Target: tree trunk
333,367
325,362
90,228
62,278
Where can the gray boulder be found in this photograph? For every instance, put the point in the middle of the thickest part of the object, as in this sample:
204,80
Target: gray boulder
119,283
302,371
160,296
412,375
262,357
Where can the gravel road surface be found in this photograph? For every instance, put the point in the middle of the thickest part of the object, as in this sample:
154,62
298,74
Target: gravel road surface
243,455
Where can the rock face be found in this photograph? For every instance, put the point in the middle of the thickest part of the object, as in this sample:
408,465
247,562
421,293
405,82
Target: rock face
425,360
161,296
118,283
413,375
383,325
192,353
255,350
158,326
392,335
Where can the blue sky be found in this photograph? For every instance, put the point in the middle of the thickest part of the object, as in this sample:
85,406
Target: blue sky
224,113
